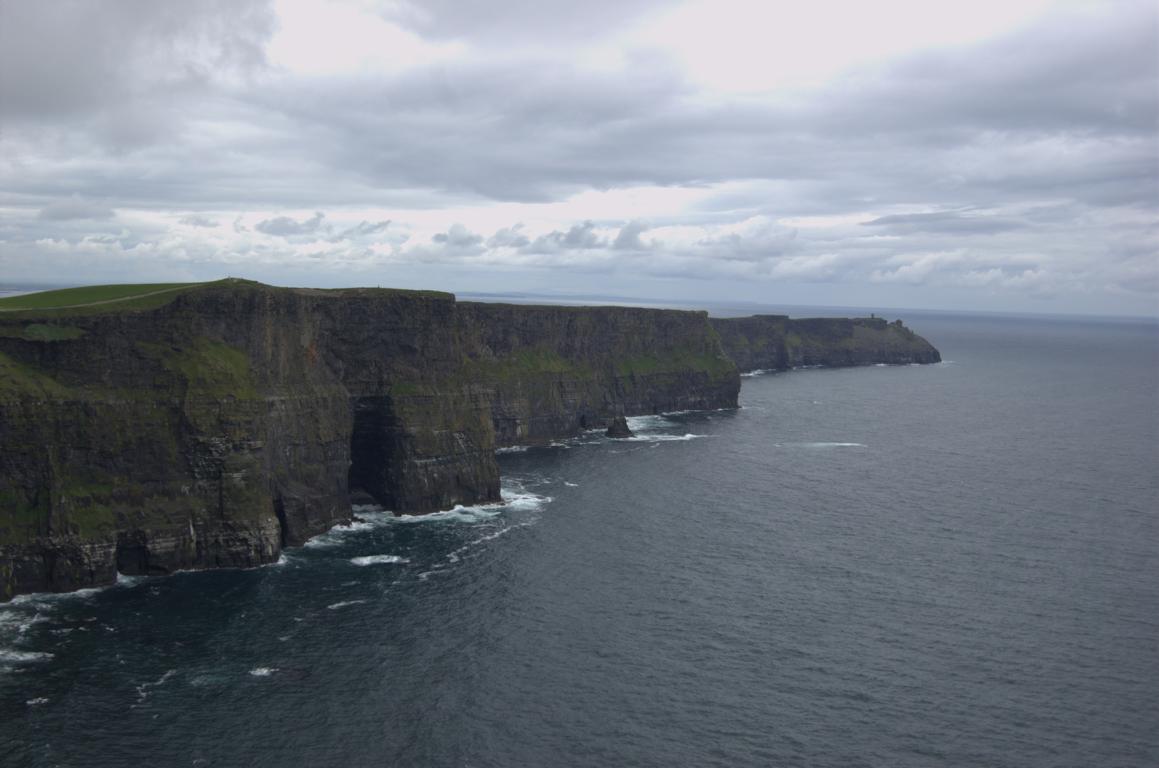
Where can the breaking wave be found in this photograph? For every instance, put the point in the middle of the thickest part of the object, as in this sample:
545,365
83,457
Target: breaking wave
644,423
378,560
143,688
663,438
366,518
13,656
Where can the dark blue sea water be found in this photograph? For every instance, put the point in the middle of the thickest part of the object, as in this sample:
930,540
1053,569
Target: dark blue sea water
951,565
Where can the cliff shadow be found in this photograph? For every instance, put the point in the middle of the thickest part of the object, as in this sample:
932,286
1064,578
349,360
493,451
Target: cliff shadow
370,450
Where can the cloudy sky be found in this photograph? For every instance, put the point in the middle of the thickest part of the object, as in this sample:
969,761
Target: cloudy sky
991,154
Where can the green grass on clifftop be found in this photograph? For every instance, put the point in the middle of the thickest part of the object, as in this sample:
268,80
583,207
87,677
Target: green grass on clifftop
88,294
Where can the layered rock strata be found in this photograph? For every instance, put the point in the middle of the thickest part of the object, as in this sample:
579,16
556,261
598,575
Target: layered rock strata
216,425
779,343
237,419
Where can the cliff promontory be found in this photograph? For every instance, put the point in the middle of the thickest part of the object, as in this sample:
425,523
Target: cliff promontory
212,425
778,343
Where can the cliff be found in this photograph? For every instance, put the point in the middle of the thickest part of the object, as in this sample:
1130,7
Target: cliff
149,429
778,343
212,425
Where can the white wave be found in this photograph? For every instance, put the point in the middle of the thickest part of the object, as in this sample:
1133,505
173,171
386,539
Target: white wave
344,603
263,671
495,535
571,485
375,516
37,701
756,372
143,688
663,438
200,681
125,580
378,559
459,514
13,656
644,423
513,449
46,599
524,500
513,498
833,445
16,623
336,535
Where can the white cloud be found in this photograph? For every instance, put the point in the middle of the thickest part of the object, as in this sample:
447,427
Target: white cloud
342,37
729,149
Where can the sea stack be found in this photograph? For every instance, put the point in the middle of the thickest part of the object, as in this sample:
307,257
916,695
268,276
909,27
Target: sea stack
619,428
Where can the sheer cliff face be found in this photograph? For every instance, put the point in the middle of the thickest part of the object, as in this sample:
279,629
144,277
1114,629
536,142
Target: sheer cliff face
237,419
778,343
551,371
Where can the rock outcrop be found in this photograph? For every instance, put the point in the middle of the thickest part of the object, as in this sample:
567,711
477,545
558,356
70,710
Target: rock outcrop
619,428
214,425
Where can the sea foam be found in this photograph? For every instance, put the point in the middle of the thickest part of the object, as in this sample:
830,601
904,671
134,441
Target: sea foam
378,560
644,423
344,603
663,438
13,656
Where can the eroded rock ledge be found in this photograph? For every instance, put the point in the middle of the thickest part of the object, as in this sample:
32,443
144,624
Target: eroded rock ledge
227,421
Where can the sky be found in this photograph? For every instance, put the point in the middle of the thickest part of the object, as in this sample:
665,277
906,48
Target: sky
996,155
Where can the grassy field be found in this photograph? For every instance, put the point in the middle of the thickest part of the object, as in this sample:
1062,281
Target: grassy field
89,295
105,299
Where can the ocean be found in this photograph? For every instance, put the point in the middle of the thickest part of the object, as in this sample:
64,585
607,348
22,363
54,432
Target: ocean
950,565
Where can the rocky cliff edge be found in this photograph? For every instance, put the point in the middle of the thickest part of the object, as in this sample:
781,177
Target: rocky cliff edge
215,424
